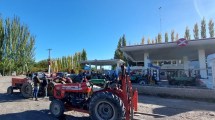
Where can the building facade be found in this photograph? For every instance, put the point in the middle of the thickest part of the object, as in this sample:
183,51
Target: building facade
183,57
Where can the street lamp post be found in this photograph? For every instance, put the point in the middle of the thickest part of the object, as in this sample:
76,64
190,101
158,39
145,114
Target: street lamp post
49,61
160,19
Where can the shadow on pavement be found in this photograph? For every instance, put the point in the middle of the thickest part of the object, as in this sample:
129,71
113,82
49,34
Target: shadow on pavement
38,115
16,96
168,111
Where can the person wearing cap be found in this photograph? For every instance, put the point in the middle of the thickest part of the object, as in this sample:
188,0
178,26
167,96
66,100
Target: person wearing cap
36,81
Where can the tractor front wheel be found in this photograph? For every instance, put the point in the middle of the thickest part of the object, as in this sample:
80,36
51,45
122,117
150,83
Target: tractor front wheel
10,90
57,108
106,106
27,90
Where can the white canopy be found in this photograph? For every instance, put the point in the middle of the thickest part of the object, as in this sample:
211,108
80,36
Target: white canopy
103,62
170,50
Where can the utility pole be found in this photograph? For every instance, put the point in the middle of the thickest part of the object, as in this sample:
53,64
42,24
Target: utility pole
49,61
160,19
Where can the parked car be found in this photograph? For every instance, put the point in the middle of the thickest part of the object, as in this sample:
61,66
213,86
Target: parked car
61,74
41,75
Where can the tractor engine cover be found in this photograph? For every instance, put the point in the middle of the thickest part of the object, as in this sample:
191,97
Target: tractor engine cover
62,90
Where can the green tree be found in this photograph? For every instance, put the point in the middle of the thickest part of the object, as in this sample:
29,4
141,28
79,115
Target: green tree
166,37
211,28
1,38
148,41
159,38
118,53
172,35
196,32
16,46
187,33
67,63
84,55
176,37
142,41
153,42
203,28
123,41
156,40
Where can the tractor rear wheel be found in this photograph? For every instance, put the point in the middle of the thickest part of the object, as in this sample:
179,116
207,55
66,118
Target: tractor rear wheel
27,90
106,106
10,90
57,108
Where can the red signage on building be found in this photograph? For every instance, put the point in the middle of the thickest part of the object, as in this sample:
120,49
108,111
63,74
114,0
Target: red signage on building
182,42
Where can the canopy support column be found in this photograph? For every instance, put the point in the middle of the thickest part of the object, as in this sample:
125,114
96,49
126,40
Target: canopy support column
146,62
202,63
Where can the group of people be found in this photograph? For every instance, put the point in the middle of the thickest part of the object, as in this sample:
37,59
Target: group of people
37,82
63,79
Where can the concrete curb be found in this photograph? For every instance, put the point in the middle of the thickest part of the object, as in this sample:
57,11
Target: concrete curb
193,93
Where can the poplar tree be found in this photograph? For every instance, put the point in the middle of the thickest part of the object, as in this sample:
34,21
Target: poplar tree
166,37
176,37
203,29
149,41
16,46
159,38
211,28
187,34
142,41
196,32
123,41
172,35
118,53
84,55
153,42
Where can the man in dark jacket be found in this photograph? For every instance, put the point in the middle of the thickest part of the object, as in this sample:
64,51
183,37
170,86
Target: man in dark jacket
36,81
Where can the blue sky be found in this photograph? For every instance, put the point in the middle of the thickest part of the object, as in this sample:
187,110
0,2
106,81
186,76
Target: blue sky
68,26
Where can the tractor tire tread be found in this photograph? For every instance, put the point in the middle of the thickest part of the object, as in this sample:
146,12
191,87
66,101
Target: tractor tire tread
110,97
62,109
10,90
27,94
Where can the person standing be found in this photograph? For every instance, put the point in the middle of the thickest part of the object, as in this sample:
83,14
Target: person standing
45,84
36,81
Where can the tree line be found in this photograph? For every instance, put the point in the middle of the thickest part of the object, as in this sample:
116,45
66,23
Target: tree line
197,33
62,64
17,51
158,39
16,46
69,63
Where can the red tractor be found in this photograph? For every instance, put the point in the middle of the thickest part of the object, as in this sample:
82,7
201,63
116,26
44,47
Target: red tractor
16,84
25,86
114,101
